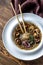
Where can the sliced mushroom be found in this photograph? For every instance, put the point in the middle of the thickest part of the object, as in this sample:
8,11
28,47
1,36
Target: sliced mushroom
18,41
37,40
31,27
17,34
37,31
35,34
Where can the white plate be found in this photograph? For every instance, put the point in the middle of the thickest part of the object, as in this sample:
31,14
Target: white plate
8,42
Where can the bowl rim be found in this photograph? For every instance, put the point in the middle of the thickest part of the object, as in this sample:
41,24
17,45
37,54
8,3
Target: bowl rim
40,44
28,51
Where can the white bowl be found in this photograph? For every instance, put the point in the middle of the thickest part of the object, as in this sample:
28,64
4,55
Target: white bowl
40,44
7,34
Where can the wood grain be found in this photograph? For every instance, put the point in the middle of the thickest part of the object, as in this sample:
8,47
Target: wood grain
5,58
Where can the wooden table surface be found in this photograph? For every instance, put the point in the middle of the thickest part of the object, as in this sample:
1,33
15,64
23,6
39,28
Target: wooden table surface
5,57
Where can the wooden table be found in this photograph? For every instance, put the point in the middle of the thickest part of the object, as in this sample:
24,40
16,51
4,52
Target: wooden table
5,57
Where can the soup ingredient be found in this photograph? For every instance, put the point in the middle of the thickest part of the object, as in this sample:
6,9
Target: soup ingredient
25,36
17,34
36,31
27,41
18,41
31,27
31,39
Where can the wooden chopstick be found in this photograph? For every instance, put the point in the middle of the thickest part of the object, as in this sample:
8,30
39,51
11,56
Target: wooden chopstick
17,17
22,18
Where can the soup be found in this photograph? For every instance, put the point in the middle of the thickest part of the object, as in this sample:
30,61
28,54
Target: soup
34,37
